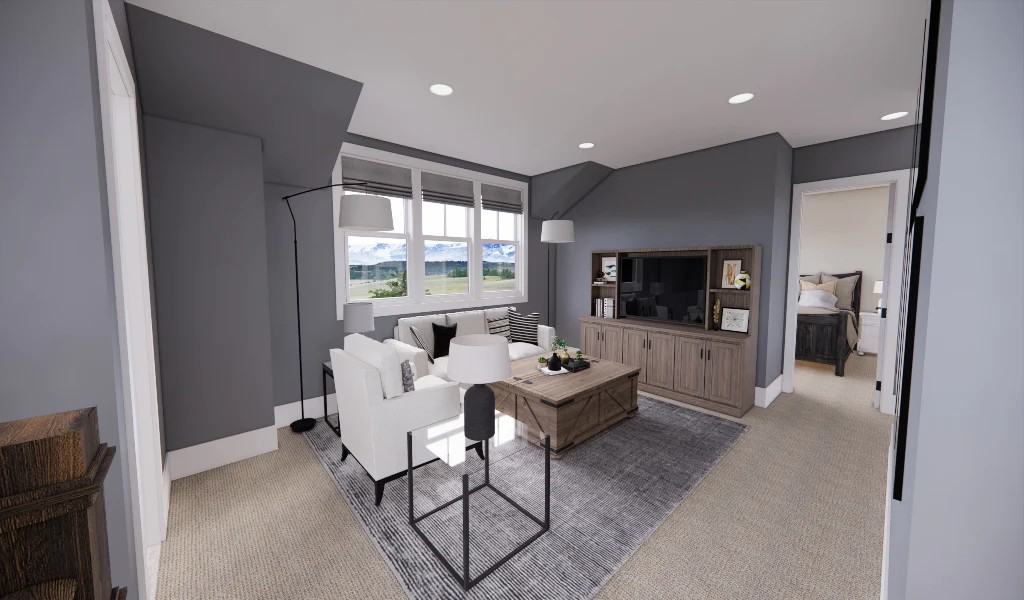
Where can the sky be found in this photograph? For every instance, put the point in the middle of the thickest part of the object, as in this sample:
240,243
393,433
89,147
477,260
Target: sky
371,251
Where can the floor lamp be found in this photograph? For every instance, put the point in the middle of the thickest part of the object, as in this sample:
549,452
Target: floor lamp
555,231
360,212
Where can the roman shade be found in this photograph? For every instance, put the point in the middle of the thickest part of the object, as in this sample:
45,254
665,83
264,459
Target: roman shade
369,177
446,190
501,199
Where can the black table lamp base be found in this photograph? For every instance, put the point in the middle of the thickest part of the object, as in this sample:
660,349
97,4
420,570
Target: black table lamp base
305,424
479,413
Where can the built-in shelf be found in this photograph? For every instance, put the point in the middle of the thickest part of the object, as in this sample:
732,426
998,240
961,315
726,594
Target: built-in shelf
608,284
730,291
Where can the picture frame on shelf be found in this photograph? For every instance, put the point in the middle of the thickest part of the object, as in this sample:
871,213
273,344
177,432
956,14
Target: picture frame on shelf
735,319
730,269
610,268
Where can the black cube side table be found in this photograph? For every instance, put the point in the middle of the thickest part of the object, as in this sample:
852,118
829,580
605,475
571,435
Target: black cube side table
328,371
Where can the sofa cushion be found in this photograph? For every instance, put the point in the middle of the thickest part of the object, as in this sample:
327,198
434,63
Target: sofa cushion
517,350
430,381
440,367
470,322
380,356
423,324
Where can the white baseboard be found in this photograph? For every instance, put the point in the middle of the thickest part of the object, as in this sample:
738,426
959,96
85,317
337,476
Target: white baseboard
764,396
217,453
286,413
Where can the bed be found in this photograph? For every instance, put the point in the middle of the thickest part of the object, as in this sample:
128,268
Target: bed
828,335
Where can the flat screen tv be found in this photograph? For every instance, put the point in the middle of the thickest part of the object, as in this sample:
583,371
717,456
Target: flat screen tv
663,288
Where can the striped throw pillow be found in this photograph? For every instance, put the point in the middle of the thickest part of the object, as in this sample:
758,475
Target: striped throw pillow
523,327
499,326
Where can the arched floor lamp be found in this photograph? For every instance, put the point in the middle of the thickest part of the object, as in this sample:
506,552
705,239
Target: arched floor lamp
360,212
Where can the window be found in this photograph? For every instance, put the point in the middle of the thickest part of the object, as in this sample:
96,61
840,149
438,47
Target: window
458,241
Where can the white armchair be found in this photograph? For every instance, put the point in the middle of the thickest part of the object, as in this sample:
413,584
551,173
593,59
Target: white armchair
375,413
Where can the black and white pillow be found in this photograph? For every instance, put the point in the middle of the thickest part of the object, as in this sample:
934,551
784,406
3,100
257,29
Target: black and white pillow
408,377
523,327
421,342
499,326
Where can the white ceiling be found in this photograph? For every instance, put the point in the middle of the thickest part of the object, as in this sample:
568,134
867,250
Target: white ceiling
642,80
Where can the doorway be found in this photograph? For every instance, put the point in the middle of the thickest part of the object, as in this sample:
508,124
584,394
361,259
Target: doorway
138,414
895,186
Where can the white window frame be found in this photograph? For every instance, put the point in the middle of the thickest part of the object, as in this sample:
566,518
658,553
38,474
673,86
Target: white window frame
416,301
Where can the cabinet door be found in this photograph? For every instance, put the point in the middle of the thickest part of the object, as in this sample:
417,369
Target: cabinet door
611,343
634,350
689,367
722,376
590,337
661,352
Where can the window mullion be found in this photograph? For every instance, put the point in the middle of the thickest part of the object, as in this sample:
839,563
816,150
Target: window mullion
476,270
416,267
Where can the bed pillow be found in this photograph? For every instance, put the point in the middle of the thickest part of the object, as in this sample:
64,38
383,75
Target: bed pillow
817,299
816,278
827,286
844,289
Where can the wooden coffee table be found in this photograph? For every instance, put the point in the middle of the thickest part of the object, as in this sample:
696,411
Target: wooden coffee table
570,408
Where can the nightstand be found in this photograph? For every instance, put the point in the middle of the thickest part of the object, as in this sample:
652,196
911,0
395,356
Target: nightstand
870,324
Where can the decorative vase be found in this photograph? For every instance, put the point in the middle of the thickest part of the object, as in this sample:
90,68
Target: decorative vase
717,314
554,363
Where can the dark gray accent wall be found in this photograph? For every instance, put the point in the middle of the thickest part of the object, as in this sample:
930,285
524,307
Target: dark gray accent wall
193,75
58,323
889,150
555,192
732,194
210,269
321,330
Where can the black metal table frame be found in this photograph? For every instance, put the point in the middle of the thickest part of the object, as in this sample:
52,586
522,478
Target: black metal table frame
465,580
325,371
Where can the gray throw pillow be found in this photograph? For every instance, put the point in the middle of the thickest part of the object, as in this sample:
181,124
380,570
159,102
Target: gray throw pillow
420,339
844,289
408,377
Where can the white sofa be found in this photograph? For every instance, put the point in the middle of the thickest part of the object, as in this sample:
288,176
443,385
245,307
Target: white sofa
375,413
469,322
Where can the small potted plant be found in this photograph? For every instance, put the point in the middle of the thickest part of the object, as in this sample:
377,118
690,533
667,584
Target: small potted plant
561,348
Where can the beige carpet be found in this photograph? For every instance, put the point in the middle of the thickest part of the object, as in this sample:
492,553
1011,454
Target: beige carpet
794,510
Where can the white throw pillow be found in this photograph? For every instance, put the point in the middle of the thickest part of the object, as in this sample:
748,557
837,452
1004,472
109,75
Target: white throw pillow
817,299
383,357
469,322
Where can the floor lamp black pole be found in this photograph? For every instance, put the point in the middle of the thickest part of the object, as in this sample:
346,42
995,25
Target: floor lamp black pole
304,423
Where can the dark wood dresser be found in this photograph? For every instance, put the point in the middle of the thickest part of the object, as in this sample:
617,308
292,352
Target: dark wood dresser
53,534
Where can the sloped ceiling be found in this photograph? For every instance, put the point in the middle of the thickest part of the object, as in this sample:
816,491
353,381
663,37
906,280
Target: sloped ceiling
190,74
555,192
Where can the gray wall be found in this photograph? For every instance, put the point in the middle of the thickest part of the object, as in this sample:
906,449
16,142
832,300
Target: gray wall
210,270
959,531
321,330
732,194
58,330
889,150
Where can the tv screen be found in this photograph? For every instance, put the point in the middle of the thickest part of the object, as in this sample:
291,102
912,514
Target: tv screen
665,288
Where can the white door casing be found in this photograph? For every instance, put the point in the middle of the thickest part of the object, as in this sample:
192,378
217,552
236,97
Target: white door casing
898,183
139,419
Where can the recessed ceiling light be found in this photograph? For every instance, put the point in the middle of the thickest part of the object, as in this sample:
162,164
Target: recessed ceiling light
441,89
895,115
741,98
586,145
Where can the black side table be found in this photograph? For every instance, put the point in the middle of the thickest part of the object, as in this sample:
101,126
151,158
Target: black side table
329,372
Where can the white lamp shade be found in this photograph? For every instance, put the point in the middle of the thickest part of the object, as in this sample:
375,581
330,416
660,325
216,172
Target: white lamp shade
479,358
358,317
879,285
364,212
557,232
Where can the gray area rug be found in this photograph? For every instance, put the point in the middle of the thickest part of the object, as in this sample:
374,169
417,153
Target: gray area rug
607,497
